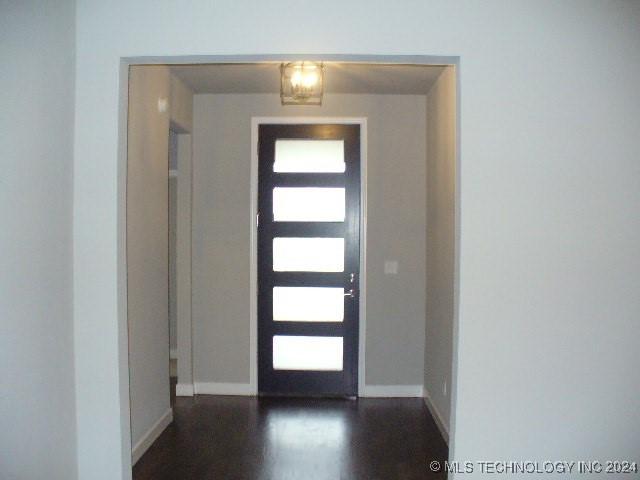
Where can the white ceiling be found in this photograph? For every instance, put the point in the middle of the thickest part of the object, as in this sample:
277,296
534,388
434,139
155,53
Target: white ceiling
338,78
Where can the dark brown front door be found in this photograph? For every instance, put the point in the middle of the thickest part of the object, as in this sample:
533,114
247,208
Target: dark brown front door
308,259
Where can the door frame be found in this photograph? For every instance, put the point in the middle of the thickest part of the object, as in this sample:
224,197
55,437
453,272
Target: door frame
253,255
113,342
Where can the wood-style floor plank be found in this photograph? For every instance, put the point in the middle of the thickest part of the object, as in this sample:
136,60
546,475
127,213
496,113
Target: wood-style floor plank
243,438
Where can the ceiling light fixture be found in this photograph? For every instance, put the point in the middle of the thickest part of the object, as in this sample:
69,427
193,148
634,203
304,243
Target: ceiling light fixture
301,83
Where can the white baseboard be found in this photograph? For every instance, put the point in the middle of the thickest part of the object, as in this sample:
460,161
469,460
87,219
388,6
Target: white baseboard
392,391
214,388
151,436
437,417
184,390
173,354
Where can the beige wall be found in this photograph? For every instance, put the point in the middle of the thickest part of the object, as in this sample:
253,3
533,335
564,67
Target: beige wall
147,248
183,264
441,160
181,105
173,238
152,266
396,231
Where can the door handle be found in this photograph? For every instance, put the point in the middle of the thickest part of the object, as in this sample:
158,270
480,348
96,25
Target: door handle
351,293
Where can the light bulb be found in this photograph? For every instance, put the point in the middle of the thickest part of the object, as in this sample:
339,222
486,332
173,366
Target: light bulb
296,78
304,78
310,79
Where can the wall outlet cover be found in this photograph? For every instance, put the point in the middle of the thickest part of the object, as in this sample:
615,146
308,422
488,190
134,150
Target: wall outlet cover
390,267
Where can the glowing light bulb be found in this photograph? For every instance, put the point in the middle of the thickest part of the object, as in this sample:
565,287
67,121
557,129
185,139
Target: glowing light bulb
304,78
310,79
296,78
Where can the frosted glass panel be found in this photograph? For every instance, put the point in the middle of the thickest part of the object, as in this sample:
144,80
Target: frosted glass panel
307,353
309,156
308,204
308,304
291,254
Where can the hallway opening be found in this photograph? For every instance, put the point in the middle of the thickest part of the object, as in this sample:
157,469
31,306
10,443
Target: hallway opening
195,291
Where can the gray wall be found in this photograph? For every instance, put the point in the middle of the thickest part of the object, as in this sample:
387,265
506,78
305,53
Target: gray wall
181,106
441,163
183,265
37,399
221,207
173,217
550,204
147,248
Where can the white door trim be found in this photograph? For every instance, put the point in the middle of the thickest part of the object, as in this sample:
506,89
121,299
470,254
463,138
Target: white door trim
253,255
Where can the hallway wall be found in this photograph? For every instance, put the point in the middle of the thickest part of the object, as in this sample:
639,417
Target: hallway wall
149,215
221,209
37,391
148,250
173,237
440,293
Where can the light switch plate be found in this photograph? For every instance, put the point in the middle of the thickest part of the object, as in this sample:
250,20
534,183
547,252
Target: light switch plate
163,104
390,267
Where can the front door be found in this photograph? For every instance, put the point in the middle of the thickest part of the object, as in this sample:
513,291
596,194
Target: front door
308,259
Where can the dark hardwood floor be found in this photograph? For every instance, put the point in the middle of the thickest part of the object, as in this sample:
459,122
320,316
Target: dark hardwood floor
242,438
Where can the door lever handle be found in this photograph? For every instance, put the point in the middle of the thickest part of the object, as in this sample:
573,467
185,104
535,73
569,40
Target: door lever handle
351,293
